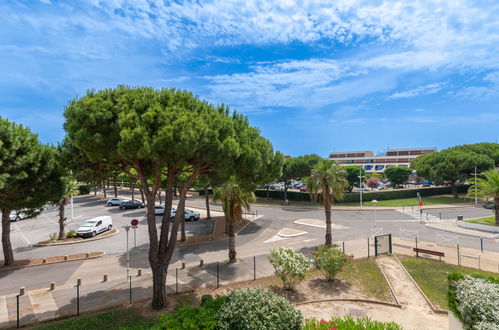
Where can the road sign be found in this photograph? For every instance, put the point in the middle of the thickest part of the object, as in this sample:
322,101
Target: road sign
135,222
420,203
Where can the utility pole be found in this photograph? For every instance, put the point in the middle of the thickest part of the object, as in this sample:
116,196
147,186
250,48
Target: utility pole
360,185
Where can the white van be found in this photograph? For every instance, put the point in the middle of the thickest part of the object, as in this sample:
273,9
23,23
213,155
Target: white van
95,226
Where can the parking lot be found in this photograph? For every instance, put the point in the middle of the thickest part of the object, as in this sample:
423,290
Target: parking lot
26,233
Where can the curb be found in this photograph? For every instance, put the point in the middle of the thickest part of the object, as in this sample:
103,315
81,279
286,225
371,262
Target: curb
77,242
389,285
379,302
463,233
55,262
433,308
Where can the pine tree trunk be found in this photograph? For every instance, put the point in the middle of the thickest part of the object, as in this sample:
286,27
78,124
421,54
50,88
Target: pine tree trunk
158,285
8,253
159,197
95,190
207,200
329,236
182,226
115,183
62,221
232,242
454,190
285,192
142,195
104,188
268,193
132,187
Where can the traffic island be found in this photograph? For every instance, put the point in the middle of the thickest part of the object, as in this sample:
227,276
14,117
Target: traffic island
76,240
53,260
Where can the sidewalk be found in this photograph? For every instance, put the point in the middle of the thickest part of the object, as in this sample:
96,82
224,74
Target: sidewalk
95,294
452,227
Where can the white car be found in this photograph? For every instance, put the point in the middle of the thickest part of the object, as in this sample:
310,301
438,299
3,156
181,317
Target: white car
115,201
95,226
159,209
17,215
188,215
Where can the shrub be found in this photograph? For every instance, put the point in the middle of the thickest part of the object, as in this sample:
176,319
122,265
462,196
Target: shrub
290,266
330,260
71,234
84,189
189,317
348,322
252,308
474,300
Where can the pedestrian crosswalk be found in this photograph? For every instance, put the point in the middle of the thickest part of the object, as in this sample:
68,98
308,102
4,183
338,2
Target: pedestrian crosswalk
423,216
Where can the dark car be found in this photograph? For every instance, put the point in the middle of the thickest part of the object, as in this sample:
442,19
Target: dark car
131,205
489,205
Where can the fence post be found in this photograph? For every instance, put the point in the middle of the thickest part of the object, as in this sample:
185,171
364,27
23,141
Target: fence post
176,280
458,256
254,268
21,293
417,254
368,252
78,283
481,243
440,215
343,246
218,275
130,289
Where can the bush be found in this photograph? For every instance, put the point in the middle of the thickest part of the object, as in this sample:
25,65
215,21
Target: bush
348,322
84,189
71,234
330,260
199,317
252,308
474,300
290,266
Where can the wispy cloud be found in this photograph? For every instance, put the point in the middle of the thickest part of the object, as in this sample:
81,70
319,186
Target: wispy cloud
423,90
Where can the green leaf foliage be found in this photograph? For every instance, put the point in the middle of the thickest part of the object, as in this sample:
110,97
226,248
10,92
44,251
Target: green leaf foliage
255,309
330,260
397,175
352,175
290,266
349,323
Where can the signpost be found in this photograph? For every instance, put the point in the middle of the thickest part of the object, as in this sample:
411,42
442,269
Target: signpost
420,203
134,224
383,244
127,228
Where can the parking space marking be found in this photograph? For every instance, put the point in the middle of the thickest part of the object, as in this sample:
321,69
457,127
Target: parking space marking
54,222
20,233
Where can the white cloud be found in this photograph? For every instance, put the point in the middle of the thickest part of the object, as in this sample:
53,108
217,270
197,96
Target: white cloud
423,90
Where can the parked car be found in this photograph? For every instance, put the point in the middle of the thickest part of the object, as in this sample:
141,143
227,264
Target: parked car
95,226
115,201
303,188
131,205
489,205
426,183
188,215
159,209
17,215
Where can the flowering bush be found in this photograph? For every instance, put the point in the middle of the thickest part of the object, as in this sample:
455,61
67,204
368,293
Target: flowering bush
290,266
474,299
330,260
252,308
348,322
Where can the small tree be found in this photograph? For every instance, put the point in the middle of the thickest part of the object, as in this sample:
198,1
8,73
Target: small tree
397,174
70,190
330,260
487,188
290,266
372,183
352,175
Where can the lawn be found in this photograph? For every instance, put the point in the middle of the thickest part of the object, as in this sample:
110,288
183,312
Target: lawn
431,277
491,221
365,275
408,202
113,319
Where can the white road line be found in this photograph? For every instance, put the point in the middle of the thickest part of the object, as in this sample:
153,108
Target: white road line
397,220
54,222
20,233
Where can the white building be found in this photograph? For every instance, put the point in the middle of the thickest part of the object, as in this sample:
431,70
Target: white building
372,163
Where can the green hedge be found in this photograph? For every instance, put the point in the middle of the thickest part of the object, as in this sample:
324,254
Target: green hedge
355,197
84,189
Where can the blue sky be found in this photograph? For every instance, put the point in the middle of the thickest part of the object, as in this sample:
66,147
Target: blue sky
314,76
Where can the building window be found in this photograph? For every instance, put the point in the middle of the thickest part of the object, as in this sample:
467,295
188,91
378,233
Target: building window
368,167
379,167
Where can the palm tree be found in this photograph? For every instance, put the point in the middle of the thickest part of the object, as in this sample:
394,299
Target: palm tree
327,183
234,198
71,189
487,188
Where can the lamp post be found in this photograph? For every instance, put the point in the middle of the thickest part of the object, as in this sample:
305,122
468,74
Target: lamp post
360,184
375,202
476,198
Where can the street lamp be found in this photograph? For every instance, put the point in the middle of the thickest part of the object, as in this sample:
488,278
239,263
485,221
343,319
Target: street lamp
360,185
476,197
375,202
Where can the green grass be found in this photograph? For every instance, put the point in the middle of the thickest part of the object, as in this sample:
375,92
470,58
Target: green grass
265,201
365,274
431,277
408,202
113,319
491,221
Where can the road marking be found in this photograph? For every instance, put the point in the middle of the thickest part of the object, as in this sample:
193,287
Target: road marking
20,233
397,221
54,222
